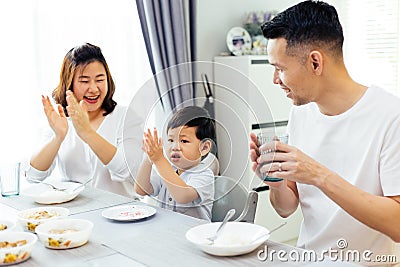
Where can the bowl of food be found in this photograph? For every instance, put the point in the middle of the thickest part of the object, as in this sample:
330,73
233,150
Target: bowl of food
6,225
64,233
44,193
15,247
235,239
31,218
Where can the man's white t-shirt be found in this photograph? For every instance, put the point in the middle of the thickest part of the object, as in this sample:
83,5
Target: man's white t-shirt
362,145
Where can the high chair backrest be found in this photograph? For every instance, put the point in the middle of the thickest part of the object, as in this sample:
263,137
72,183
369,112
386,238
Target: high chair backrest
230,194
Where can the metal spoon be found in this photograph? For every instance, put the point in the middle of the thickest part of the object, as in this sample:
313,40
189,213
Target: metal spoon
228,215
54,187
266,234
79,186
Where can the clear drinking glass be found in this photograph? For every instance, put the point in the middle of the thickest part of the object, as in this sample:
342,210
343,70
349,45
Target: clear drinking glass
267,137
10,179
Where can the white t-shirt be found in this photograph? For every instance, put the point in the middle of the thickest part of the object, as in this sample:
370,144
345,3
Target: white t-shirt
122,128
201,178
362,145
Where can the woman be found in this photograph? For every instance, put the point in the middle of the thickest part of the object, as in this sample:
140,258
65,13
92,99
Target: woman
89,131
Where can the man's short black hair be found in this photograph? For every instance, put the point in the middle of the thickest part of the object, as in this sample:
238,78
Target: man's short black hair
193,116
310,23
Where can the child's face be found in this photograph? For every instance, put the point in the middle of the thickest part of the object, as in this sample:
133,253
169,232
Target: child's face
183,147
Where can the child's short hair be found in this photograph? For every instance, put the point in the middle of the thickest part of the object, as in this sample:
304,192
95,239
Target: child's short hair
193,116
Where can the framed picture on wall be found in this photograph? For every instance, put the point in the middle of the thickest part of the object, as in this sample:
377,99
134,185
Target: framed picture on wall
238,41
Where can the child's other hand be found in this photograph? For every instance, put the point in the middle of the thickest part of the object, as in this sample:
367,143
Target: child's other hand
152,145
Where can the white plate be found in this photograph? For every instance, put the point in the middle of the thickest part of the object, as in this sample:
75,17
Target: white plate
128,213
44,194
238,41
236,238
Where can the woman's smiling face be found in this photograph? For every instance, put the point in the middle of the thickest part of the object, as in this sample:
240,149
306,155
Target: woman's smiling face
90,85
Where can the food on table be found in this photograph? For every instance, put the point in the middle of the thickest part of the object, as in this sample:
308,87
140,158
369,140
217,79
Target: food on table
37,216
131,214
3,227
31,226
62,231
43,214
18,243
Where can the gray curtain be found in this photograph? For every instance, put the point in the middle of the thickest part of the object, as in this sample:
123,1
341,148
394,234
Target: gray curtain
169,33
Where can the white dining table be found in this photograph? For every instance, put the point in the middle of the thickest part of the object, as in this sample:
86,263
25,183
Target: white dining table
158,240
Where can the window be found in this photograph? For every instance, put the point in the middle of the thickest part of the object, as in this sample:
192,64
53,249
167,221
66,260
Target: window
372,42
35,37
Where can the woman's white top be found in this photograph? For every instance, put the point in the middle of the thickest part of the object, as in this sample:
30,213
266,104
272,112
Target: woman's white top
123,128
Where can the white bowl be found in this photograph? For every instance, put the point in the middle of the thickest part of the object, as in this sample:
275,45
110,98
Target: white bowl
22,252
44,194
31,218
64,233
6,226
235,239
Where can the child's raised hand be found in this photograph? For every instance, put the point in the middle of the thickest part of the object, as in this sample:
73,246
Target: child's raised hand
152,145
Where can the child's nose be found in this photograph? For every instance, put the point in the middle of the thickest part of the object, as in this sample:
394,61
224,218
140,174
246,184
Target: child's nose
175,146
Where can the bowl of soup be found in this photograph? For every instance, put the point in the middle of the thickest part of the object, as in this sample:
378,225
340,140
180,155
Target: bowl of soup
16,247
64,233
31,218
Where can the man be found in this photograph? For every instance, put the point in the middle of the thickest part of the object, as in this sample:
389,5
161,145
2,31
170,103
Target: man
343,162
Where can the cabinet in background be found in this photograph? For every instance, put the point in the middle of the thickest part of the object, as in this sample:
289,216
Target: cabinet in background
245,97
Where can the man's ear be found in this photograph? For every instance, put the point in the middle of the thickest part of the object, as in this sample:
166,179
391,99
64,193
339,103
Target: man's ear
317,61
205,147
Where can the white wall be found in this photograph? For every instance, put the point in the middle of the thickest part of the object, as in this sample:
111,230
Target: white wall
216,17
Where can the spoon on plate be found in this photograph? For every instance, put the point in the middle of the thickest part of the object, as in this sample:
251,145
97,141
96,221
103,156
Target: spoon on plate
266,234
79,186
228,215
49,184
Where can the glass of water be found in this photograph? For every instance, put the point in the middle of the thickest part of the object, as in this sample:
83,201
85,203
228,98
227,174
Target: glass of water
9,179
268,137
